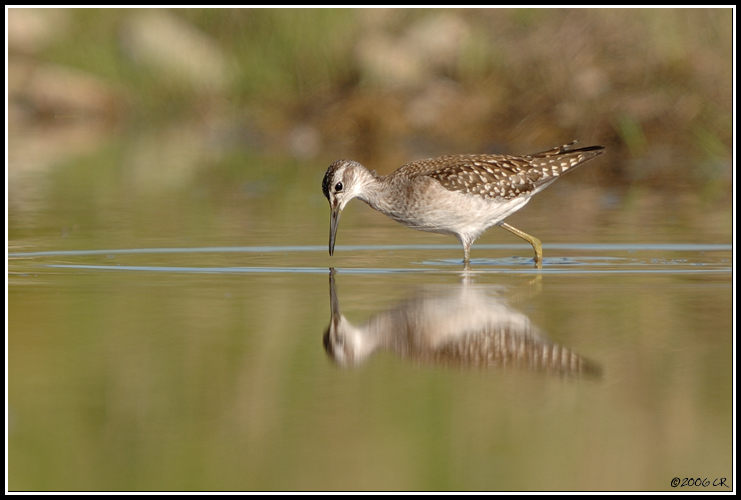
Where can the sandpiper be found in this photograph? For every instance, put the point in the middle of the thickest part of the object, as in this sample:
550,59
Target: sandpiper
456,325
462,195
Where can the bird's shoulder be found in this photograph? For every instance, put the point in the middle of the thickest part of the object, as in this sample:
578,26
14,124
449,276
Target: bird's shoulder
495,165
489,175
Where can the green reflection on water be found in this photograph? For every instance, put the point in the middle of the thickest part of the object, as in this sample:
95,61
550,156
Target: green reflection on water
140,381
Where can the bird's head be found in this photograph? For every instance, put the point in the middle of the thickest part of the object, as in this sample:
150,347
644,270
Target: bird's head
344,180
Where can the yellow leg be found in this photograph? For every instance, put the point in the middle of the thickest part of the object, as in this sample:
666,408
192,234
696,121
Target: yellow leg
535,242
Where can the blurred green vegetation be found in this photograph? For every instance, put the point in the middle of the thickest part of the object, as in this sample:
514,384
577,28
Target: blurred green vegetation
391,85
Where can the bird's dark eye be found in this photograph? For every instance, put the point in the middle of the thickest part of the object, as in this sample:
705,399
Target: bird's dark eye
338,187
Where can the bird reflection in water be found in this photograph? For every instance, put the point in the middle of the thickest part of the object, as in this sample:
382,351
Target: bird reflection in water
464,325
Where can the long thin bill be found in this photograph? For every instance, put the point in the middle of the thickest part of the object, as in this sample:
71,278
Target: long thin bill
333,224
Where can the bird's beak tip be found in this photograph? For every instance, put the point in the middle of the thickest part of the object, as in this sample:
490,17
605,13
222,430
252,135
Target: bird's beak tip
334,222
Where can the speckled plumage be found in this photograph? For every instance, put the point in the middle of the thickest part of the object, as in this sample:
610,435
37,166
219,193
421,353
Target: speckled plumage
465,325
461,195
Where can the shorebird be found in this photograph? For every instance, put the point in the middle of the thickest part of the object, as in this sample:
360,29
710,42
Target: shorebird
463,325
462,195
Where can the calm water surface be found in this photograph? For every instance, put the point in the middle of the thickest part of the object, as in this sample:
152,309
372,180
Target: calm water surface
193,337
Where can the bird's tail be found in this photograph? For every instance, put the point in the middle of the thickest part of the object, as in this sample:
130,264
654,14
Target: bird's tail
566,148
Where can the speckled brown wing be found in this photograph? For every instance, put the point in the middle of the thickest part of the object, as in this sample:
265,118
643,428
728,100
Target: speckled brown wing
490,176
500,176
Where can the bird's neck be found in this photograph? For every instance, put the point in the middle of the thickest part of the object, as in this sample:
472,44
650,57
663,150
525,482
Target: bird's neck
375,192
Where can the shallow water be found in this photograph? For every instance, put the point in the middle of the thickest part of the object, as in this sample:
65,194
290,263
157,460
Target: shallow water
189,335
208,368
627,258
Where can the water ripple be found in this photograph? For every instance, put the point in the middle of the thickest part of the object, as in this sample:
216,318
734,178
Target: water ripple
673,247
